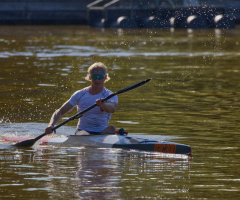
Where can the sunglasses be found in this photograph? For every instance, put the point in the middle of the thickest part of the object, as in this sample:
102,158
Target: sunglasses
97,76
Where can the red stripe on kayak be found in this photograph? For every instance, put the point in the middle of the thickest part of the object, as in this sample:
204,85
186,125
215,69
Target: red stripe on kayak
44,140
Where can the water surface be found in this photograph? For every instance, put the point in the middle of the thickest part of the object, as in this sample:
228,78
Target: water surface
193,99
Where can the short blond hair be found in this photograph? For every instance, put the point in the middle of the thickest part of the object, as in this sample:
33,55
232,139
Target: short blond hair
97,65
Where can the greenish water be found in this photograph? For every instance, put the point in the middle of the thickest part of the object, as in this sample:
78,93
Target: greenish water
193,99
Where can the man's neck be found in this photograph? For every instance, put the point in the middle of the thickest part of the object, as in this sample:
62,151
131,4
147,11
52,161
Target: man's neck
95,89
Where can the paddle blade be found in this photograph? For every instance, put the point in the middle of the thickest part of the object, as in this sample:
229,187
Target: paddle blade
28,143
25,143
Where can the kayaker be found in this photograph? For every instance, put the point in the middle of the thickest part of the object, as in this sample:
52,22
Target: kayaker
96,120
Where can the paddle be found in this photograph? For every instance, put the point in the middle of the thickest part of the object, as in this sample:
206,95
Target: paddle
31,142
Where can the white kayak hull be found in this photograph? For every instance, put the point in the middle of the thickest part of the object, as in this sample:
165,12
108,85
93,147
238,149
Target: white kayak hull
114,141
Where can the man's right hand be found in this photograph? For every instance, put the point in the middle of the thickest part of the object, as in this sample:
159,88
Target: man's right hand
48,130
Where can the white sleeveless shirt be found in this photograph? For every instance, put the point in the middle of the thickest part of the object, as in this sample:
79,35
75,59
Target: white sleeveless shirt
94,120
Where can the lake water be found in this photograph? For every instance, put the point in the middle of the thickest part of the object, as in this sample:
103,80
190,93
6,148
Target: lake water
192,99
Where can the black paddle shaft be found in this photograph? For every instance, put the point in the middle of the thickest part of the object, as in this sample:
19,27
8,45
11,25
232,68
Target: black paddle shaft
78,115
29,143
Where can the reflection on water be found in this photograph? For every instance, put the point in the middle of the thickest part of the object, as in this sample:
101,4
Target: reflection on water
193,99
93,173
80,51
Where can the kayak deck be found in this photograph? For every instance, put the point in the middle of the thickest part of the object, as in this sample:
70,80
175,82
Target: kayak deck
113,141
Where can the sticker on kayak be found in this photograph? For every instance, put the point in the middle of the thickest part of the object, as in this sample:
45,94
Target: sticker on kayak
101,140
165,148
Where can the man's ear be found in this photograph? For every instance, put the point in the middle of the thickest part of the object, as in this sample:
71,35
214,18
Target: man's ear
105,78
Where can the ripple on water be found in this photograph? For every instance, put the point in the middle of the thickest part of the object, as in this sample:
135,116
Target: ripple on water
31,129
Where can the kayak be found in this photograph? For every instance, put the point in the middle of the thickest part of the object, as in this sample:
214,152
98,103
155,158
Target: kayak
113,141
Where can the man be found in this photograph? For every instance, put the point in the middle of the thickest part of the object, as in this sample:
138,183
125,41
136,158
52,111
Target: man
96,120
